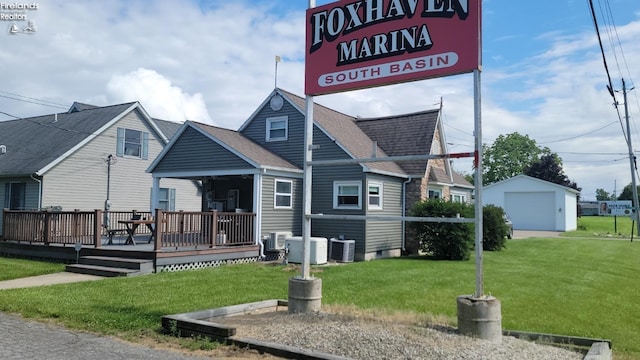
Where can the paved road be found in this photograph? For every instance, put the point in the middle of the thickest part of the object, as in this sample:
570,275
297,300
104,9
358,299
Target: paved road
29,340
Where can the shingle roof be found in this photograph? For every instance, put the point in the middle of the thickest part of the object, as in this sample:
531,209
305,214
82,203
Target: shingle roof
169,128
345,131
409,134
77,106
245,146
33,143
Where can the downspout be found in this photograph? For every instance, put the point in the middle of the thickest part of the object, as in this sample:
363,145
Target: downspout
39,190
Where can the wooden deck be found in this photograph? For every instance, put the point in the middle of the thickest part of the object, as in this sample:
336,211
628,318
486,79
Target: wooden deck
186,239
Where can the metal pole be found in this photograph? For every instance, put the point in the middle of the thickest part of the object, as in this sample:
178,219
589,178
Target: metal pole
306,225
308,176
632,160
108,175
107,220
478,183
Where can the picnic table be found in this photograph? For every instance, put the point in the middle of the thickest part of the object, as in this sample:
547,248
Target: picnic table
131,227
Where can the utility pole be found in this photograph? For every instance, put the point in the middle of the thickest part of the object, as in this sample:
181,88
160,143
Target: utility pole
632,162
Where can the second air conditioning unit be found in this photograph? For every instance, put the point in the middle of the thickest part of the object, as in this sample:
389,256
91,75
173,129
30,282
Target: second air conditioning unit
342,250
277,239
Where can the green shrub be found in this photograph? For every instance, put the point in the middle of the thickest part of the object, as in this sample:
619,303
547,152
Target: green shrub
494,229
443,240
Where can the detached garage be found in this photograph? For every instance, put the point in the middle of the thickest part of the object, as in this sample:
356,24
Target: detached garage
534,204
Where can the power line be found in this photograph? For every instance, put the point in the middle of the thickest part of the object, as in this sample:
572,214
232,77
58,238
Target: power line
40,101
33,102
2,112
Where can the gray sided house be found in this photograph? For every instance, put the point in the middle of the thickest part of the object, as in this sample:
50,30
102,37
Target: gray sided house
59,161
259,169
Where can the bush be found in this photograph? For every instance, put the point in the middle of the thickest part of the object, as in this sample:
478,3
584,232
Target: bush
494,229
443,240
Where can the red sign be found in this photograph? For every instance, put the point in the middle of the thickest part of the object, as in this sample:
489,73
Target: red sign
367,43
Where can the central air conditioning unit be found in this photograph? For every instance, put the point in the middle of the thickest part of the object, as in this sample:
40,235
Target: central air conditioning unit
277,240
317,252
342,250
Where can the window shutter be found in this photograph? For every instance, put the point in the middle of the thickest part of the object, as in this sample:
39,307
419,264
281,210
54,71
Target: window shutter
172,199
145,145
120,143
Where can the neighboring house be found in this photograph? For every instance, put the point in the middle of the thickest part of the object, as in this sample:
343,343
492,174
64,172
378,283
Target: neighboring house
534,204
259,168
59,161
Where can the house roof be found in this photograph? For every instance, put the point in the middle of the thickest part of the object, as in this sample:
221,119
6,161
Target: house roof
409,134
439,175
169,128
523,177
344,130
34,144
244,147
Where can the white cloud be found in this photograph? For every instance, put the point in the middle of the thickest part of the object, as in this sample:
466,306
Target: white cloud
158,96
213,61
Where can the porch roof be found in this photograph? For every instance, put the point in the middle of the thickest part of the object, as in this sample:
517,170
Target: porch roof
244,147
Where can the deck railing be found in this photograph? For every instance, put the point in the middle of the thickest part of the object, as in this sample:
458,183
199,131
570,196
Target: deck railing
203,229
179,229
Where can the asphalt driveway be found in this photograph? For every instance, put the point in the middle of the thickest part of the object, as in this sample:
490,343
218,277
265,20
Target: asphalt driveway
523,234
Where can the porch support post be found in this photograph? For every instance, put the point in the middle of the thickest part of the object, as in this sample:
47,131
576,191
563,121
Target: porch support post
97,227
257,208
159,221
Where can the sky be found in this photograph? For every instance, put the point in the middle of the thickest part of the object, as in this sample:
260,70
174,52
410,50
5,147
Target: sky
214,62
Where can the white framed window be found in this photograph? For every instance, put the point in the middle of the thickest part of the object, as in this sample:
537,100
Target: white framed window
283,194
346,195
277,128
435,193
374,195
461,198
132,143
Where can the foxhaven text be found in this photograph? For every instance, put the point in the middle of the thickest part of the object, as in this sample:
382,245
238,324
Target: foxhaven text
330,25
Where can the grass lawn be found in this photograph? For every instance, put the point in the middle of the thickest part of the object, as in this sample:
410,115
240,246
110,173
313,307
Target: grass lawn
562,286
18,268
605,227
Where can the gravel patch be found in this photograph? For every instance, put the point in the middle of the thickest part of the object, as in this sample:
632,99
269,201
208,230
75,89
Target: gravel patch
359,338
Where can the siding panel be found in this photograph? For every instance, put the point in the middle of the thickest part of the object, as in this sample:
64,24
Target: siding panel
385,235
80,182
194,151
291,149
281,219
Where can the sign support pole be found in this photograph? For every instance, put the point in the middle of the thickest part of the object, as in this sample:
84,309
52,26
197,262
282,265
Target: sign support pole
305,292
478,182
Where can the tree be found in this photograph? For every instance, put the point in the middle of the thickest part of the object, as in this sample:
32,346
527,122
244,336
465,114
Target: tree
508,156
471,178
549,168
602,195
627,192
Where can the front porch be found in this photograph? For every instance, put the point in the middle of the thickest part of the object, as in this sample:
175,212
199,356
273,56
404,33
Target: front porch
173,240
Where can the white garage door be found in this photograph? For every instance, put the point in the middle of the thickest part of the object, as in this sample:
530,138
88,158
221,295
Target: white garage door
531,210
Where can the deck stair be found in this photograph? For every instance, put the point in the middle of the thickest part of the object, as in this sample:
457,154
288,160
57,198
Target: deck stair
111,266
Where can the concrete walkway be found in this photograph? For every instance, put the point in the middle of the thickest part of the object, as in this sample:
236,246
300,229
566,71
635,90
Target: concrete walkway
50,279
